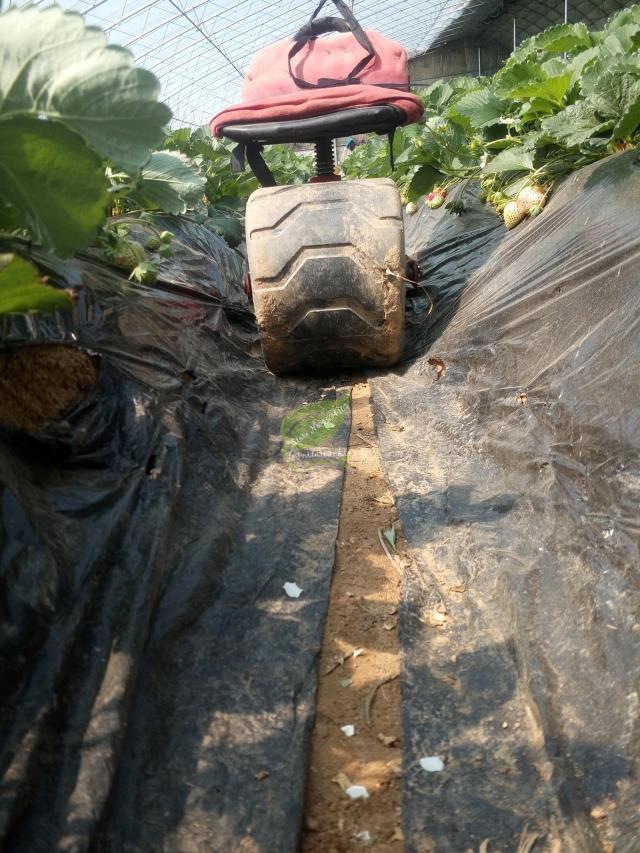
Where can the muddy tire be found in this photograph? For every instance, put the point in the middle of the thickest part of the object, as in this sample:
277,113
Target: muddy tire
318,258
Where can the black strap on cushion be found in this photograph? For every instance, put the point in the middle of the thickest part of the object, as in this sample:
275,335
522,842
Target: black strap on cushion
314,28
253,150
237,159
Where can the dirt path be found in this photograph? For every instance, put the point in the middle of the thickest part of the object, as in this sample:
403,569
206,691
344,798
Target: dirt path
361,690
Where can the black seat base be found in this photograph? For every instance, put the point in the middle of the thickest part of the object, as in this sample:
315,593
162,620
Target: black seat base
376,118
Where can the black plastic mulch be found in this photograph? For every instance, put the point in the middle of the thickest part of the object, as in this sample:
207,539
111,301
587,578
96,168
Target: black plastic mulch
517,478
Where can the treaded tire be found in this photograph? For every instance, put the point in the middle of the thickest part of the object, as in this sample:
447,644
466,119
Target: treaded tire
318,257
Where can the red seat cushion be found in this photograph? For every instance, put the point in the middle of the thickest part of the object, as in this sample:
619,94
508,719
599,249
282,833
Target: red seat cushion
270,94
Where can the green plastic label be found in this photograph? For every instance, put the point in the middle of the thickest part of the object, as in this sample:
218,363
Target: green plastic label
309,432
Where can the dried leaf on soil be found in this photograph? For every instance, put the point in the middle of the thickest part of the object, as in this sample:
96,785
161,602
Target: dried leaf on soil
343,780
438,363
371,696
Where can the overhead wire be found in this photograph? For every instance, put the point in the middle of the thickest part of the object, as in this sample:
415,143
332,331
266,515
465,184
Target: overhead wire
174,93
201,48
208,38
245,36
249,53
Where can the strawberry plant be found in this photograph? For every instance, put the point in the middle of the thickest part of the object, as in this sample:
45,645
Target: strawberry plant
226,192
69,103
78,127
565,98
168,181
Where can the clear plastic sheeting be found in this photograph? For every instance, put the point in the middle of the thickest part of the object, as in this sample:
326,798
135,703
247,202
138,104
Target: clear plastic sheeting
517,477
157,682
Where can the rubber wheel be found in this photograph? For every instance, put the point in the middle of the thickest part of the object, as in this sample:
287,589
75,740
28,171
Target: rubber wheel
324,261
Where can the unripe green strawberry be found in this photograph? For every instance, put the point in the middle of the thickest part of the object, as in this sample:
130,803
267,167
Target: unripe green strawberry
144,273
165,251
126,255
166,236
154,243
529,197
500,201
511,215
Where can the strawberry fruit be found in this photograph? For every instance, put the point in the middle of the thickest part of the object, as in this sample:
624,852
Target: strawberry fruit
511,215
436,198
533,196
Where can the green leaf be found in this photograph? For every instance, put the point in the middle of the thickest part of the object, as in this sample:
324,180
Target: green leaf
563,38
423,181
574,125
510,160
179,138
626,36
55,66
536,109
613,45
611,91
501,144
552,89
533,139
54,182
408,157
515,74
22,288
624,17
228,227
581,61
467,84
437,95
482,107
629,121
511,190
169,182
555,66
